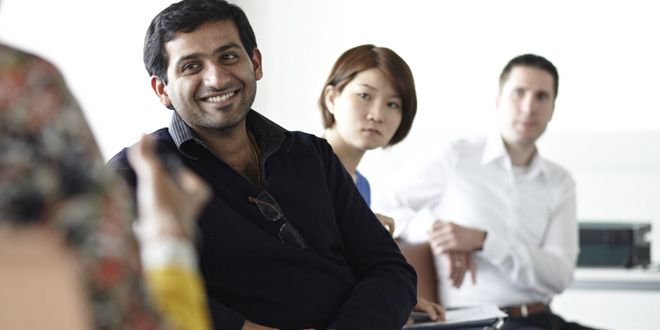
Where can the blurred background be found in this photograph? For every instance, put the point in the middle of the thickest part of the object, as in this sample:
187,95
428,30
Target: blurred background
606,127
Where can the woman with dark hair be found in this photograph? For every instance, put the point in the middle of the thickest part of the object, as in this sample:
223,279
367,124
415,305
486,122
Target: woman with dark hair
369,102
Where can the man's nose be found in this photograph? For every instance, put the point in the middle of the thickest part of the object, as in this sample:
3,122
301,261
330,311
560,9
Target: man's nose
216,76
528,104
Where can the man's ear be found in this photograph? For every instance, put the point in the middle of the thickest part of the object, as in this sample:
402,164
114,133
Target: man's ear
256,63
160,88
329,93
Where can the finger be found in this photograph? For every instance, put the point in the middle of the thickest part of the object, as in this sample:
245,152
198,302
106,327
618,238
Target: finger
387,222
391,225
438,225
143,158
445,244
460,276
198,194
472,268
443,227
438,246
456,270
194,185
435,249
451,267
435,311
454,280
430,310
136,156
459,263
441,236
440,312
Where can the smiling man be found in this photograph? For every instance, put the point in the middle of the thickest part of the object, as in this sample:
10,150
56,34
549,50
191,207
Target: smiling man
286,240
492,206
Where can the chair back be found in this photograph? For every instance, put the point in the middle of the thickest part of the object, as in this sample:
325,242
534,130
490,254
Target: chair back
420,256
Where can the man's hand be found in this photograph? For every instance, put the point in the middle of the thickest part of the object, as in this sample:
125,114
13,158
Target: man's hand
459,264
168,206
387,222
448,236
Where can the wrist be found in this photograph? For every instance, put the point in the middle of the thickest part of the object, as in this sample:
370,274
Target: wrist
482,240
169,251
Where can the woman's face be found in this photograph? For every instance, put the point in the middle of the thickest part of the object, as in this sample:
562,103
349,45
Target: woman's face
367,112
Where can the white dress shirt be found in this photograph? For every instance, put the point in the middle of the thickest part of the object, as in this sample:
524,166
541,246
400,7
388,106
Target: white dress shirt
529,214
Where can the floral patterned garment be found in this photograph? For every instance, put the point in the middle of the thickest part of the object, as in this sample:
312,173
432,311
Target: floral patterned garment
51,172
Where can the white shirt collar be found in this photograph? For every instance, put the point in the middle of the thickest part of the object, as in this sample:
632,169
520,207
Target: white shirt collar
494,150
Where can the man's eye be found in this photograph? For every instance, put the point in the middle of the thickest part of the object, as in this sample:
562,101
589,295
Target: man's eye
228,57
190,67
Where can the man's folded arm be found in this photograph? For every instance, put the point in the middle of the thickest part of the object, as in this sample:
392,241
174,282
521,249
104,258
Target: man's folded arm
386,289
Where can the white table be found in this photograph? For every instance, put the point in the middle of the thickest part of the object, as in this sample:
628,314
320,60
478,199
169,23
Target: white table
612,298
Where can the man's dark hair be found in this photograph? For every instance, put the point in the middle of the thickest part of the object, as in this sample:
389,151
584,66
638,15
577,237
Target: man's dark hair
186,16
534,61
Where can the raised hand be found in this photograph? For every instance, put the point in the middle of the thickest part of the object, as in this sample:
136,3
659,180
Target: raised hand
168,206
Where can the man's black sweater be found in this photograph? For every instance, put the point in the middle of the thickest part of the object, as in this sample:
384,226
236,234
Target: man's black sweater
352,276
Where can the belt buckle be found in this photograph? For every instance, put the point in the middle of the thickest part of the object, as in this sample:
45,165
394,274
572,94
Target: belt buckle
523,310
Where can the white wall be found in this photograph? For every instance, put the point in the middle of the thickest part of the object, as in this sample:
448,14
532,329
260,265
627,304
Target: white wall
98,46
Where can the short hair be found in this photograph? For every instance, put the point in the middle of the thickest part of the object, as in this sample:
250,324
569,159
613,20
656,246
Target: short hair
365,57
534,61
186,16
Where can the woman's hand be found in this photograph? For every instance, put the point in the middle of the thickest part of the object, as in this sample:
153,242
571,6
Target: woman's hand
387,222
435,311
167,206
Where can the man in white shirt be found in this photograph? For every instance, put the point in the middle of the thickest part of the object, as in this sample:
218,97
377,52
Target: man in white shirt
494,207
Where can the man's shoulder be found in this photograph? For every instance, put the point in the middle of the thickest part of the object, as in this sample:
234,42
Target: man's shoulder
557,172
120,159
303,139
306,136
468,143
464,148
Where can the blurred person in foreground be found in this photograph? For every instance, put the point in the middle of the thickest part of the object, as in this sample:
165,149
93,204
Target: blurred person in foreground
53,178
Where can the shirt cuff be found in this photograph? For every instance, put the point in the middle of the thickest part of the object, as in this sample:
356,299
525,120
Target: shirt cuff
168,252
494,248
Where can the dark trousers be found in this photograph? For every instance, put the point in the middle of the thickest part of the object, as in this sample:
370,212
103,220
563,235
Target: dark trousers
541,321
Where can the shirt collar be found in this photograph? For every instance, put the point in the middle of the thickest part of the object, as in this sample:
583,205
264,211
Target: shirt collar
495,151
269,135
